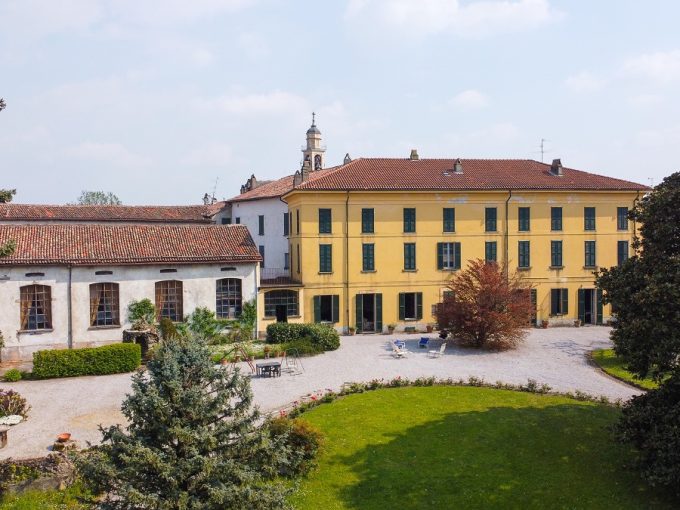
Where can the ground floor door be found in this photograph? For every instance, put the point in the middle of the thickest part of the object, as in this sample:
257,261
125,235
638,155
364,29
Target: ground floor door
590,306
368,313
281,313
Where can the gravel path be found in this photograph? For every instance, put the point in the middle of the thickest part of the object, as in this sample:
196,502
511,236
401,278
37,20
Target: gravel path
555,356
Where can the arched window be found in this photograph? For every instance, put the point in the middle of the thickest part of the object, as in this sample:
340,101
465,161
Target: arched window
229,298
36,307
104,309
169,300
278,302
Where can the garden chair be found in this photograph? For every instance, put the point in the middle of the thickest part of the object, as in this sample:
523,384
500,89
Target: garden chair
422,344
435,353
397,350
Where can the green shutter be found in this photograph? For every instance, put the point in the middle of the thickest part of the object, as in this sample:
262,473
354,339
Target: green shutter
419,305
534,302
317,308
440,255
336,308
456,249
358,322
565,301
599,307
582,305
402,306
554,301
378,313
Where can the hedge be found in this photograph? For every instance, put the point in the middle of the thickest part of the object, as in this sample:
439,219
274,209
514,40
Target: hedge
321,335
108,359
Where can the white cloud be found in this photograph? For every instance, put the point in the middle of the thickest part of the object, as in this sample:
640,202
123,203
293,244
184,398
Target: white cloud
660,67
213,155
584,82
115,155
470,19
469,99
271,103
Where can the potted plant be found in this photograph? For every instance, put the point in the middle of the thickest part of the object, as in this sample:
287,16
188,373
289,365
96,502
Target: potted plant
266,350
351,330
429,328
391,328
544,324
577,323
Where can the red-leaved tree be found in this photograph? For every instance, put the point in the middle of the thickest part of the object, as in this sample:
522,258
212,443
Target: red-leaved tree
486,309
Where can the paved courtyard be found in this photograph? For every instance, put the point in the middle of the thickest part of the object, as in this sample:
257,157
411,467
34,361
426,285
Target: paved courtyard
555,356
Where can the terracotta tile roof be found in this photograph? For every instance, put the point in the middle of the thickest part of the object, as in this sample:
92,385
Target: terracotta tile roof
96,245
385,174
110,213
278,188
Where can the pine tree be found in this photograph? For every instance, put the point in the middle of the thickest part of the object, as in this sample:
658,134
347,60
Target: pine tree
192,441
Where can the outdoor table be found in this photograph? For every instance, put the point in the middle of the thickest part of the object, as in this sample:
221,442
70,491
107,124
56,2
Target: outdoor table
268,368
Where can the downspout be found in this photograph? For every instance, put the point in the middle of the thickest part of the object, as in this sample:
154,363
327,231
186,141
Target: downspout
506,240
347,261
70,306
257,295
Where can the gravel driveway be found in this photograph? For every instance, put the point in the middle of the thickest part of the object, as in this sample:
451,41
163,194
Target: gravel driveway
555,356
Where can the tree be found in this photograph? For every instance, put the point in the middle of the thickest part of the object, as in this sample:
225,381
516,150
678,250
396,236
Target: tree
645,296
6,195
3,104
98,198
486,309
192,440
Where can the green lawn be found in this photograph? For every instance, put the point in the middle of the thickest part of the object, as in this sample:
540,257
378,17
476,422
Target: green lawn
466,447
73,498
616,367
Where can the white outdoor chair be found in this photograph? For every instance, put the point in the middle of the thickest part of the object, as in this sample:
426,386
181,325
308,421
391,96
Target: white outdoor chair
397,352
437,354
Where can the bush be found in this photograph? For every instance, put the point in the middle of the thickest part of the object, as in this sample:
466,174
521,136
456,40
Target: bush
11,403
167,329
303,346
320,335
108,359
141,314
650,423
12,375
303,441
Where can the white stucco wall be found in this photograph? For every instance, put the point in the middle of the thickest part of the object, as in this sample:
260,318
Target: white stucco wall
135,282
273,240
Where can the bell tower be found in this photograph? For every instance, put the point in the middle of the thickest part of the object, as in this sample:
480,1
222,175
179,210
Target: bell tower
314,151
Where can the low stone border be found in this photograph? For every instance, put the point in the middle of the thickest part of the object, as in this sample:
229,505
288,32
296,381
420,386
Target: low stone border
591,361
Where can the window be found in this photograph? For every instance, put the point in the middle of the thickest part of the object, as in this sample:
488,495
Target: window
555,218
325,258
368,257
238,220
261,250
559,301
622,218
409,219
409,256
449,219
589,253
367,221
524,219
286,261
327,308
622,252
260,225
297,221
299,265
555,253
169,300
104,309
490,219
36,307
490,251
524,254
226,221
283,298
448,256
324,221
286,224
410,306
228,298
589,218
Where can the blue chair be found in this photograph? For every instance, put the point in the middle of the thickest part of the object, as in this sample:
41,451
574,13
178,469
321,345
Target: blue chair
422,344
400,343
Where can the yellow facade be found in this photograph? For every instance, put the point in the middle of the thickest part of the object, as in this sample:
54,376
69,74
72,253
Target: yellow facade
389,279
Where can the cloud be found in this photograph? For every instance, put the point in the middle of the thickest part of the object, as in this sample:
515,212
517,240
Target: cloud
660,67
270,103
471,19
469,99
584,82
115,155
213,155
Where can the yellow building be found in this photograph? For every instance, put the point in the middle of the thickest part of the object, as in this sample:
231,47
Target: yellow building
374,241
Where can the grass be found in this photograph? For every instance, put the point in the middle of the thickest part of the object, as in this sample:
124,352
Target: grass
467,447
73,498
615,366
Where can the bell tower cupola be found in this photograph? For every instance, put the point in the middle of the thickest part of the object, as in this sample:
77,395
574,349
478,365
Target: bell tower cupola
314,152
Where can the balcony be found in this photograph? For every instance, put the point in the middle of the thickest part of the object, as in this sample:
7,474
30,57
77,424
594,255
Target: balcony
276,277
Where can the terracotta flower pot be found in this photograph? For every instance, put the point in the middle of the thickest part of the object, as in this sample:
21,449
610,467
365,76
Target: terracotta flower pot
62,438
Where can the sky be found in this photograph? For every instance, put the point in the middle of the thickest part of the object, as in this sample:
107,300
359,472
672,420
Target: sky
161,101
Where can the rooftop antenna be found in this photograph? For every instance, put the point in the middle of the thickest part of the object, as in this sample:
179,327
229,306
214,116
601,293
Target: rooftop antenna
215,188
543,140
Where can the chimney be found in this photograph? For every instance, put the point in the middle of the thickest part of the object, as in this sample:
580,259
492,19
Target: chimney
458,167
414,155
556,167
347,159
306,168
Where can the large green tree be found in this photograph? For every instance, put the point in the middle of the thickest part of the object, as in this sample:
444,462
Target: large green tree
6,195
192,441
98,198
645,296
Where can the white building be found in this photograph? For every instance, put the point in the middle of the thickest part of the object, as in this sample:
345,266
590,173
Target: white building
69,285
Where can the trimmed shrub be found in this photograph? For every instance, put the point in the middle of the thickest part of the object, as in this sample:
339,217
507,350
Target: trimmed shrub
12,375
303,441
303,346
108,359
320,335
11,403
